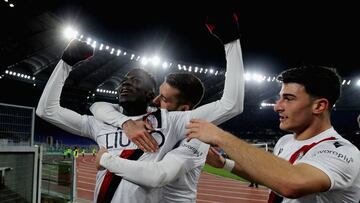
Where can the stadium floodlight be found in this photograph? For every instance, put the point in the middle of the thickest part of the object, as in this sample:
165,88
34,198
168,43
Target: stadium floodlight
247,76
70,33
88,40
11,5
155,60
358,83
94,44
196,69
165,65
343,82
144,61
348,83
257,77
264,104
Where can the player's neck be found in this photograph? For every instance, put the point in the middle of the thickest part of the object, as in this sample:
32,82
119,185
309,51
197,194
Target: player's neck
313,130
134,109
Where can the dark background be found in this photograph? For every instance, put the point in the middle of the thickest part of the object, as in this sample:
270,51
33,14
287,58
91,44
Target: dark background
274,37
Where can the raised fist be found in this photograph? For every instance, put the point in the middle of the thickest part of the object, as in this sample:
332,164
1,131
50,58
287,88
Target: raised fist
224,26
77,51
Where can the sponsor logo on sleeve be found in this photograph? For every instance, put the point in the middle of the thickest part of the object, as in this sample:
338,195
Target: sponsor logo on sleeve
193,149
336,154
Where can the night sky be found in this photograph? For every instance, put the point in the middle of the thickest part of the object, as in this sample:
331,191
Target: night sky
274,35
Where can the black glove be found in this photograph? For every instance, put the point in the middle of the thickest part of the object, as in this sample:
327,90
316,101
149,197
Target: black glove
224,26
77,51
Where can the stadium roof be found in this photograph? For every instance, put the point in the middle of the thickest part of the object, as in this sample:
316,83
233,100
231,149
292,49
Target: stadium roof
274,37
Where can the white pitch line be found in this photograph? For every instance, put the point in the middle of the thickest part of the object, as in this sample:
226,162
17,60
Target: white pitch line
88,174
202,200
79,188
86,177
85,182
88,170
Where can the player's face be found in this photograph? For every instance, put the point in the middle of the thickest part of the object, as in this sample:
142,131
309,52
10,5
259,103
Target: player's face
167,98
294,107
135,87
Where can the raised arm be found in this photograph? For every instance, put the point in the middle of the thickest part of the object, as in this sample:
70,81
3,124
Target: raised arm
232,100
226,29
109,113
49,107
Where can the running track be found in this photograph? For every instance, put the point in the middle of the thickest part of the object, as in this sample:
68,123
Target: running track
211,188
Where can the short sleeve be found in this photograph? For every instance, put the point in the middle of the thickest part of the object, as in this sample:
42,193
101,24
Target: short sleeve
338,160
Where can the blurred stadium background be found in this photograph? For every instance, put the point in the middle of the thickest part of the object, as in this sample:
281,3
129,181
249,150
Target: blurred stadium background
161,39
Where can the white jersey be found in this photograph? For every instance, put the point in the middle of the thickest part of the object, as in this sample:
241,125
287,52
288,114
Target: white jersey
170,131
180,169
184,187
338,159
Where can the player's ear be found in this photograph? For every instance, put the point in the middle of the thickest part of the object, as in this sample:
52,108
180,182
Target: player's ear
150,95
184,107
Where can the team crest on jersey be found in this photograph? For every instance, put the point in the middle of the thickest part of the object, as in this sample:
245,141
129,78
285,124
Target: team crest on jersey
301,154
152,120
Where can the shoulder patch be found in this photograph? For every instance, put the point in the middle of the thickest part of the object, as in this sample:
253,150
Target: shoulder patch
337,144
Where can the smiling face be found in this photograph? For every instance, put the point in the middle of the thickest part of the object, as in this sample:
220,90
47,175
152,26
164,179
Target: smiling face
295,108
168,97
137,86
